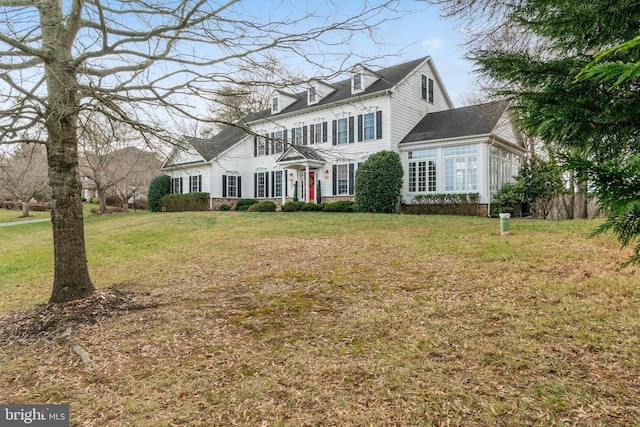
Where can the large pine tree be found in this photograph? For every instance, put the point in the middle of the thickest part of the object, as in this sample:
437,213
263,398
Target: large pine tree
593,120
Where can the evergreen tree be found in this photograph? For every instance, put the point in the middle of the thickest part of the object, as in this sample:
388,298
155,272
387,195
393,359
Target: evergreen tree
379,183
591,116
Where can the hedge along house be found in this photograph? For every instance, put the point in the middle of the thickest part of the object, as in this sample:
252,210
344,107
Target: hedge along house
317,138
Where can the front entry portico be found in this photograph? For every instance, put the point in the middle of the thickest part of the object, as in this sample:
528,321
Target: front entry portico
306,162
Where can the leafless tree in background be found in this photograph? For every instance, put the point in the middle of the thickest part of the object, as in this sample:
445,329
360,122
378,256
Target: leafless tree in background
23,174
126,59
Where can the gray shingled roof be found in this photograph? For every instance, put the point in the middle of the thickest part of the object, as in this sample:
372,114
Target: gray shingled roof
389,77
465,121
210,148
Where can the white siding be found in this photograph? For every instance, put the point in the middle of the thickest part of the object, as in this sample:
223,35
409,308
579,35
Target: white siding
408,107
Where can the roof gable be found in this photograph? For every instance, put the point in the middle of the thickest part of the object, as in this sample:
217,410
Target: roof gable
387,78
459,122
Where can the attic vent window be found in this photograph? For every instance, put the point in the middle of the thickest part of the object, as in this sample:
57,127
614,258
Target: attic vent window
357,82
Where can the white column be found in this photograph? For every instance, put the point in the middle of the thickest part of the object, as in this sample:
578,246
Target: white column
306,183
285,183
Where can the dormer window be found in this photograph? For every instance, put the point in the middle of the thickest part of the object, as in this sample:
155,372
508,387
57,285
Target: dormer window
274,104
357,82
312,94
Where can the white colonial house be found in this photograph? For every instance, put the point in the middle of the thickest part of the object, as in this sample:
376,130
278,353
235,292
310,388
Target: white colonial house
317,139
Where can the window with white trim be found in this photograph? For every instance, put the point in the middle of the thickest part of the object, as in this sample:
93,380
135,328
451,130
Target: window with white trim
195,184
461,168
278,142
343,179
357,82
503,167
343,131
274,104
297,136
312,94
261,184
277,183
422,173
176,185
369,126
232,186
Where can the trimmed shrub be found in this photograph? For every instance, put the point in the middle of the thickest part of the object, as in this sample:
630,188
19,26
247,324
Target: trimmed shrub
445,204
243,204
159,187
185,202
290,207
265,206
379,183
224,207
341,206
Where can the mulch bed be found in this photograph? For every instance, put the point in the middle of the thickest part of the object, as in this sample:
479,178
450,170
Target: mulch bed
49,320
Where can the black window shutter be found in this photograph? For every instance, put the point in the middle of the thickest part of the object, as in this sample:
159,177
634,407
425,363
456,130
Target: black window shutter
351,130
255,146
266,145
266,184
351,177
335,180
360,127
181,190
200,183
334,136
378,124
272,142
304,135
311,134
255,185
224,185
293,136
284,183
239,187
273,184
325,131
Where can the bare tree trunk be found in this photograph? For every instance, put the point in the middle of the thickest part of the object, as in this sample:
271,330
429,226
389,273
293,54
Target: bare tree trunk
102,200
71,273
583,206
25,209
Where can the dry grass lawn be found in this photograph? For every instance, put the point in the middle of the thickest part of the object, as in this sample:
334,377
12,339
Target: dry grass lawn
314,319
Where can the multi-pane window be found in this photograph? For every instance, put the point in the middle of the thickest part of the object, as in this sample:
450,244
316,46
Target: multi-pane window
297,136
503,167
278,143
343,131
312,94
343,179
176,185
232,186
422,173
317,133
262,146
461,168
357,82
274,104
261,184
427,88
195,184
369,126
277,184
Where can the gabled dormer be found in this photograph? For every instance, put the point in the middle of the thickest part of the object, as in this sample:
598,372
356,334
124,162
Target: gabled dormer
281,100
317,91
362,78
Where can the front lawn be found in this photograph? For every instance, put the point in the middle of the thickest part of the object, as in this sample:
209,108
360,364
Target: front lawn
303,318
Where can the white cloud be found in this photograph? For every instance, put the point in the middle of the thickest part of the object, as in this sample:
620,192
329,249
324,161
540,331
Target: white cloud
431,43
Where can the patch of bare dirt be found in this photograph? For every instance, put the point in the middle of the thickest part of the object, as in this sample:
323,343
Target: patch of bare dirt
49,320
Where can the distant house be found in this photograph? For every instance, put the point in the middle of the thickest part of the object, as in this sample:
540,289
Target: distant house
322,135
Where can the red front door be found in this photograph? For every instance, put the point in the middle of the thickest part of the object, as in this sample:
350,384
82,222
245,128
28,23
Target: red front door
312,187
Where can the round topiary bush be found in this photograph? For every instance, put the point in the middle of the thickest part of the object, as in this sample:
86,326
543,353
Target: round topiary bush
265,206
379,183
244,204
159,187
